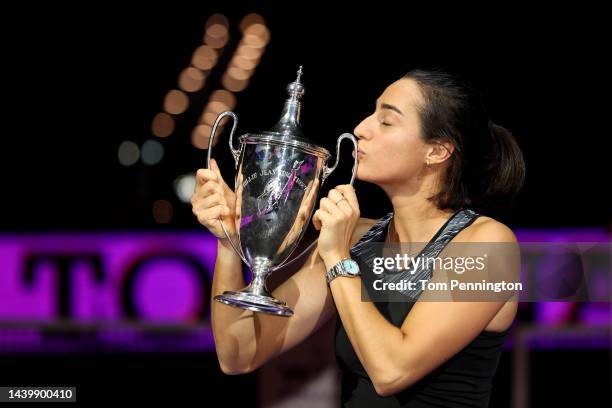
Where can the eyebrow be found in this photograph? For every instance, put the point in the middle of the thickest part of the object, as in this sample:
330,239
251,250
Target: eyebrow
390,107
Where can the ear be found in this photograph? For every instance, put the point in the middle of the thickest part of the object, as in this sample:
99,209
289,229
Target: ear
439,151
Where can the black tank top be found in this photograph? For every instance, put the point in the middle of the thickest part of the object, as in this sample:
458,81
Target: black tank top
462,381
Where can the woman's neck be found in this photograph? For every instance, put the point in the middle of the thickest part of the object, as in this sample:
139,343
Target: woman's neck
416,219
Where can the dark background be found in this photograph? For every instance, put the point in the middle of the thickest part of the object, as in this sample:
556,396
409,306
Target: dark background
81,78
84,78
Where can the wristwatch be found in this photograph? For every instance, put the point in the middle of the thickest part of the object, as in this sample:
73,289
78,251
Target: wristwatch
344,267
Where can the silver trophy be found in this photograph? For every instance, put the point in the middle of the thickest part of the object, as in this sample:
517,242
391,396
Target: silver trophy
278,175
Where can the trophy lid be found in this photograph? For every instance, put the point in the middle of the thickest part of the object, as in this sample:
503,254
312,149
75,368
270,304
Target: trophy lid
287,131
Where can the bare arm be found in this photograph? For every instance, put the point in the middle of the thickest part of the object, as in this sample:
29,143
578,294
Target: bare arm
433,332
244,340
395,358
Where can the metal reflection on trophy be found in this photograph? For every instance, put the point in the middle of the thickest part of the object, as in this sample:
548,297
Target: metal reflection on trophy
278,175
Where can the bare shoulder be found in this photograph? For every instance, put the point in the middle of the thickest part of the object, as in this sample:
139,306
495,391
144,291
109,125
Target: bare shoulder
486,229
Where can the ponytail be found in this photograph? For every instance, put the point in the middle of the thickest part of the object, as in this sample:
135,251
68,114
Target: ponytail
487,169
503,171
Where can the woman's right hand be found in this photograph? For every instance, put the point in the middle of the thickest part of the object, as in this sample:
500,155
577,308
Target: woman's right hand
214,199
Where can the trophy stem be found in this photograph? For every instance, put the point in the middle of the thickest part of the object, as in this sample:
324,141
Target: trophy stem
261,269
256,296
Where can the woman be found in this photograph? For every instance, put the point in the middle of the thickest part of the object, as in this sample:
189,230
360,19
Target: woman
431,147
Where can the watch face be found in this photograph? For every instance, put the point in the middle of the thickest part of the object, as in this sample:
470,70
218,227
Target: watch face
350,266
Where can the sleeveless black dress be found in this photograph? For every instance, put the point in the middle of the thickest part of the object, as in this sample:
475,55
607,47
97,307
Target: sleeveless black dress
462,381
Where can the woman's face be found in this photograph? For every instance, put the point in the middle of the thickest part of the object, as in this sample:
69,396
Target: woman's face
390,138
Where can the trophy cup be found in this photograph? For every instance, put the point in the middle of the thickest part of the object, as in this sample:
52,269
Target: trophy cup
278,175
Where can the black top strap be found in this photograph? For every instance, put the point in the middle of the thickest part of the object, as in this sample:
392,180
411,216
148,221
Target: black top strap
457,222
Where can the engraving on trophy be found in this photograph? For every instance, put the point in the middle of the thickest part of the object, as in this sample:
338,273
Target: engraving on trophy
273,192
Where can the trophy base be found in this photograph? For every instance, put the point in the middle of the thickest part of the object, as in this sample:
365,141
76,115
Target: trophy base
254,302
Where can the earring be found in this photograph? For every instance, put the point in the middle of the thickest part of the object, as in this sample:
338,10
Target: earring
427,162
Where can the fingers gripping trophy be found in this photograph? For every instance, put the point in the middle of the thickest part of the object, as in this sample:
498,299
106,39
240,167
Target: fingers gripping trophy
278,175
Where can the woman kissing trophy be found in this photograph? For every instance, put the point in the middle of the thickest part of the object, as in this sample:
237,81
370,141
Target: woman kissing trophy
278,175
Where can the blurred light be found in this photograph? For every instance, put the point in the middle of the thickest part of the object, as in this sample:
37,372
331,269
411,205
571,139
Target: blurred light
233,84
217,107
253,41
216,33
251,19
242,62
162,125
162,211
204,58
128,153
238,73
152,152
209,118
257,36
201,135
249,52
225,97
176,102
216,19
191,79
184,187
215,42
258,29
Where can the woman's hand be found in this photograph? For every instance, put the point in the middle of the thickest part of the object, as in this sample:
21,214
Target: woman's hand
212,199
336,218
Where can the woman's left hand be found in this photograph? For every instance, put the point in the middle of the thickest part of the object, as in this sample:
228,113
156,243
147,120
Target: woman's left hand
336,219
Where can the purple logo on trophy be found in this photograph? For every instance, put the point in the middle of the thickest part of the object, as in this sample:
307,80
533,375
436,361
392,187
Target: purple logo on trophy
269,199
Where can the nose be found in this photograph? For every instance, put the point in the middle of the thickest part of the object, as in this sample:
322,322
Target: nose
362,130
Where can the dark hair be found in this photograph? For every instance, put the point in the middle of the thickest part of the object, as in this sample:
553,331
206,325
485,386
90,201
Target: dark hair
486,170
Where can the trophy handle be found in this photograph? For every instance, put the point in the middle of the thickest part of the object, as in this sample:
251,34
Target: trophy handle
236,154
329,170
